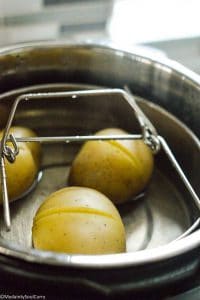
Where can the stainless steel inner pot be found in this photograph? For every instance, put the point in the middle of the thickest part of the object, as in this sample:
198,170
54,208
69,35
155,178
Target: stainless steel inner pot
166,211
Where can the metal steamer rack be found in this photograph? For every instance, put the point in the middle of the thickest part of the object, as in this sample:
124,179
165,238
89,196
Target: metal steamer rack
9,143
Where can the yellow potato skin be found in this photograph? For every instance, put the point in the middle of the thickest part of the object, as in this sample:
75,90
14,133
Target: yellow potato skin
78,220
21,173
118,169
34,147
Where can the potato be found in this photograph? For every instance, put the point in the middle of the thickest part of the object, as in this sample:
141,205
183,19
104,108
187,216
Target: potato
78,220
118,169
22,173
35,147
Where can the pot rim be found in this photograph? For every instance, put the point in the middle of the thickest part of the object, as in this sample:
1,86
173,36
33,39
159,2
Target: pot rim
140,51
142,257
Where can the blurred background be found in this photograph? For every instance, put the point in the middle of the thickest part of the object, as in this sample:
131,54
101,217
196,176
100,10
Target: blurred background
167,27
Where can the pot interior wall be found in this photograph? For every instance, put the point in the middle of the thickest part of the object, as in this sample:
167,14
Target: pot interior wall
155,219
98,65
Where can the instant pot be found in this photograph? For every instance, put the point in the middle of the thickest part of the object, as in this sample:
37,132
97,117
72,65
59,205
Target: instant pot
169,94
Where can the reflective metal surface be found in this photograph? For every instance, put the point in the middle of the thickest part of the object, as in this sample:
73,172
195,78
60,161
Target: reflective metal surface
165,83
